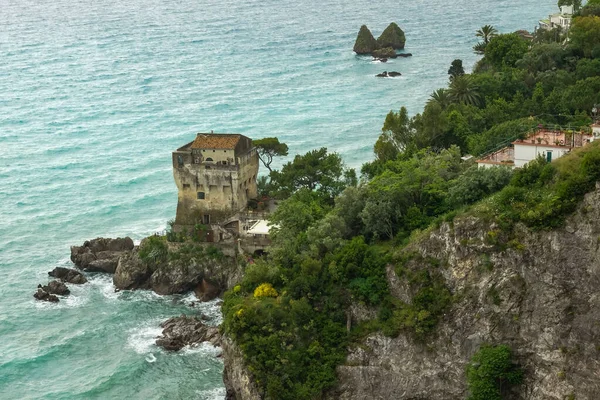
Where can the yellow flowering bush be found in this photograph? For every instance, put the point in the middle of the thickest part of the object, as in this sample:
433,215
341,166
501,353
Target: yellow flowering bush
265,290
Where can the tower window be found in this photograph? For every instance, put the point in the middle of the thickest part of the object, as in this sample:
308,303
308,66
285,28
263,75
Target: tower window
201,195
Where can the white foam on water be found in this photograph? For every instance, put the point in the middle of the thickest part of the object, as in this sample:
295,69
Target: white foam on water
151,358
204,348
142,339
212,394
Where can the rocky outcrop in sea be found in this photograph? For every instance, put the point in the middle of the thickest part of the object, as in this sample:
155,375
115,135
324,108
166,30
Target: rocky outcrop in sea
184,331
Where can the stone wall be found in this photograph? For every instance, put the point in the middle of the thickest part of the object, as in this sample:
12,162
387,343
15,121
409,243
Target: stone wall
212,189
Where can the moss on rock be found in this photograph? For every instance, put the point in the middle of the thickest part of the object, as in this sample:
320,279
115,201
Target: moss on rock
365,42
392,37
386,52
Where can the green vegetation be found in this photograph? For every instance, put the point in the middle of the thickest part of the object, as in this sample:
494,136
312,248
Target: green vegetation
542,194
365,42
491,372
392,37
268,148
335,240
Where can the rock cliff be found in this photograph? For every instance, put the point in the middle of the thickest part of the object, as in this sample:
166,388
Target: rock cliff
537,292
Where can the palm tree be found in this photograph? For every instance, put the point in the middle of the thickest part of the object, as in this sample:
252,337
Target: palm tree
479,48
486,32
463,90
440,97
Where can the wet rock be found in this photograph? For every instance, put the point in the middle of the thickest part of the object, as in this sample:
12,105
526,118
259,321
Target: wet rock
68,275
100,254
386,74
55,287
404,55
131,273
184,331
206,291
42,295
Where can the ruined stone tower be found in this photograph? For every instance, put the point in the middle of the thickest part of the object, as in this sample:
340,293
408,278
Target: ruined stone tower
215,176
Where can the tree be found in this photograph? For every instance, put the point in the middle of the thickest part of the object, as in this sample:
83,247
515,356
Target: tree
576,4
505,50
456,69
584,36
463,90
268,148
440,97
486,32
316,170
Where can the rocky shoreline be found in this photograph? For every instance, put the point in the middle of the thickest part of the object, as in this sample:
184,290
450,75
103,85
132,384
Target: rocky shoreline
207,277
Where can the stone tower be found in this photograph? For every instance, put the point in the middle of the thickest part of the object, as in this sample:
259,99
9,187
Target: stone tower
215,176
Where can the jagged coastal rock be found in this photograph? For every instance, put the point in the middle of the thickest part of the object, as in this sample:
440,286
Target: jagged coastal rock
42,295
392,37
365,42
385,46
55,287
100,254
539,294
239,383
184,331
68,275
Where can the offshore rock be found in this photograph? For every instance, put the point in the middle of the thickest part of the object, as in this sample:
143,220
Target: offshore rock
100,254
184,331
365,42
536,291
392,37
68,275
390,74
45,296
55,287
384,53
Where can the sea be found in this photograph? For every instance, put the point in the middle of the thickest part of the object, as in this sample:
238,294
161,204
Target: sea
94,96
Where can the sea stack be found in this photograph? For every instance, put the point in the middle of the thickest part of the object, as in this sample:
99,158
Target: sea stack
365,42
392,37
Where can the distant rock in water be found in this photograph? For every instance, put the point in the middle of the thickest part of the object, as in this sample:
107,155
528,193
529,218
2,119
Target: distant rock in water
390,74
384,53
55,287
100,255
42,295
184,331
392,37
404,55
68,275
365,42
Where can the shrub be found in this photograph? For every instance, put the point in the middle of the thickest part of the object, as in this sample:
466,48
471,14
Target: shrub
265,290
153,250
491,372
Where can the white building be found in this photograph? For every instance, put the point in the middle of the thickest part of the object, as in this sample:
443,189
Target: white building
548,143
561,19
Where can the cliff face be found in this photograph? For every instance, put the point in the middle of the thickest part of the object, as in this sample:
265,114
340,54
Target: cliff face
538,292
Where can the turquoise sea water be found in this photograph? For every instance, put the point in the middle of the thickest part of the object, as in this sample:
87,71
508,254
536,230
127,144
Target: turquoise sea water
95,94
